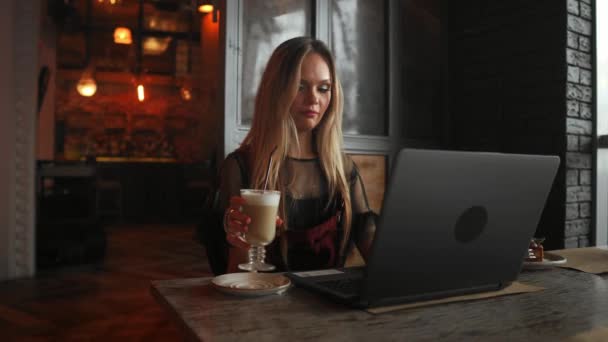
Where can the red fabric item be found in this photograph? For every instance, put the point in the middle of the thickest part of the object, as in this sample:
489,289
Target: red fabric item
318,238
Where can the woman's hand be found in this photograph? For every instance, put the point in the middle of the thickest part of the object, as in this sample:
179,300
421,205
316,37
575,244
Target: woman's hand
236,223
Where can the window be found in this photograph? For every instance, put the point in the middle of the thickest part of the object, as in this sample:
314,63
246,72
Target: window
358,40
357,31
266,24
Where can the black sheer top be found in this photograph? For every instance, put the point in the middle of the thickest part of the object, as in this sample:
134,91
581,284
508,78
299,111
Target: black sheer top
306,205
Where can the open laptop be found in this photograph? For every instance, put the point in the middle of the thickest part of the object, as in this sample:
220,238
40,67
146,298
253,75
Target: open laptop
453,223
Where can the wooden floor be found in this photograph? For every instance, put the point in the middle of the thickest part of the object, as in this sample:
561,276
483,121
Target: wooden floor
106,302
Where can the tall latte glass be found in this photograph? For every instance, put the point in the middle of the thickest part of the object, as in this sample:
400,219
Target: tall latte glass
261,206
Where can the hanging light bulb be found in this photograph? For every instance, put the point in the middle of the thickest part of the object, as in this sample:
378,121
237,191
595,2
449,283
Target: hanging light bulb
122,35
86,85
140,92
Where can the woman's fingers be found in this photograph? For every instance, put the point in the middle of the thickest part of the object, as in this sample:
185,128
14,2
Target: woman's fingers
237,227
237,241
236,223
236,202
240,217
279,221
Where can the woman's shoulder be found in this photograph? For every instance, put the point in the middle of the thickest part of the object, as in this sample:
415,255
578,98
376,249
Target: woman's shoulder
239,156
236,162
350,167
240,153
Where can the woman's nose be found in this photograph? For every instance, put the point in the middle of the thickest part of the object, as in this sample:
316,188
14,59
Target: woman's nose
312,97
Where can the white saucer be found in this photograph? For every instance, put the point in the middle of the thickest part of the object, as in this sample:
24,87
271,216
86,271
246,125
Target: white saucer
549,260
251,283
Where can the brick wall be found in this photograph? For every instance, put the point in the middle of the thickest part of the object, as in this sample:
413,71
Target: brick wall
114,123
579,124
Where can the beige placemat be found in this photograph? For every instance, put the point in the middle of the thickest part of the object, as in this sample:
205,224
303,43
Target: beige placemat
597,334
590,259
514,288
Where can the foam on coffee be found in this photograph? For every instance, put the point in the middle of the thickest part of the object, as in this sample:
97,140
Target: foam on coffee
261,207
261,198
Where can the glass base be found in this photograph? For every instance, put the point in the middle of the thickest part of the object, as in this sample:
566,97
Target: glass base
256,263
257,266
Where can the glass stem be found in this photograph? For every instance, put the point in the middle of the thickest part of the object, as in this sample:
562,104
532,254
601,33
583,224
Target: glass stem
257,254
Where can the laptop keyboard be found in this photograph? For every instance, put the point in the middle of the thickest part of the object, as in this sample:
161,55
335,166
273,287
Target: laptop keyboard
347,286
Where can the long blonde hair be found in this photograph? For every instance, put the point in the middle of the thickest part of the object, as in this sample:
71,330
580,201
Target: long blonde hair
273,126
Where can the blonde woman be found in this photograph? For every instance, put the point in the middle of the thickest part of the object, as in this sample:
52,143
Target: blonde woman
298,112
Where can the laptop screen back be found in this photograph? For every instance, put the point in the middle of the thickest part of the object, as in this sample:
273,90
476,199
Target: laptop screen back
456,220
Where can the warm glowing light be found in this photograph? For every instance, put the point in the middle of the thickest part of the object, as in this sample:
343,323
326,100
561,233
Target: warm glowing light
205,8
186,93
140,93
86,86
113,2
155,46
122,35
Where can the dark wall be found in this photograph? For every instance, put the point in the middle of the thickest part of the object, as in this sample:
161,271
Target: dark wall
421,64
506,82
508,74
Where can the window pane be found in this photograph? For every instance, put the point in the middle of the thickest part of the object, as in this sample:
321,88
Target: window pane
266,24
358,42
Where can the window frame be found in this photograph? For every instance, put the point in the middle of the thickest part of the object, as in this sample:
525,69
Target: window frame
234,132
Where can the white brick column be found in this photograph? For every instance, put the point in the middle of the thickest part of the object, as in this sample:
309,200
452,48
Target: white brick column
579,125
18,69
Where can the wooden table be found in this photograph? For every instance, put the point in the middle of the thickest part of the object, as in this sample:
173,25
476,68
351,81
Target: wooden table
572,303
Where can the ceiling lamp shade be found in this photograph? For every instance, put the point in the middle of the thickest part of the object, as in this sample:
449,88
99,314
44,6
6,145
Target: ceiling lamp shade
155,46
122,35
205,7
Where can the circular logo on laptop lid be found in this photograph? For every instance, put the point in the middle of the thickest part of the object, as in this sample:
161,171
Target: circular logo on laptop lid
471,224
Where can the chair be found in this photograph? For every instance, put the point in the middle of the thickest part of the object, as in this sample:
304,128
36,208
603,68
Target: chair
110,195
67,226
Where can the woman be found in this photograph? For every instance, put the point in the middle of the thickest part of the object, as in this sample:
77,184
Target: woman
298,119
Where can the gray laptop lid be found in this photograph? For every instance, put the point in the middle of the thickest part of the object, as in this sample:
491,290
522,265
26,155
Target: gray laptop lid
453,220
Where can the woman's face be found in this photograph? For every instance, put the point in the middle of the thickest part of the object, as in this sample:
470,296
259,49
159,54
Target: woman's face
314,93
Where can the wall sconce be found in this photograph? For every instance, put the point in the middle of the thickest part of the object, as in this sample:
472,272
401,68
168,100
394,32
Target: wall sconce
185,88
185,92
138,80
122,35
141,96
86,85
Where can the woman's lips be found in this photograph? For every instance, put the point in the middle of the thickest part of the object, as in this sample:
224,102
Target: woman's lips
310,113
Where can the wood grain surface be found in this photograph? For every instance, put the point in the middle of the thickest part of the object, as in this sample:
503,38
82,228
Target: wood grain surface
573,303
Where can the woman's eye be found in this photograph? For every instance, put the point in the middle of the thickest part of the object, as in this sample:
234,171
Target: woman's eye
324,88
301,87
